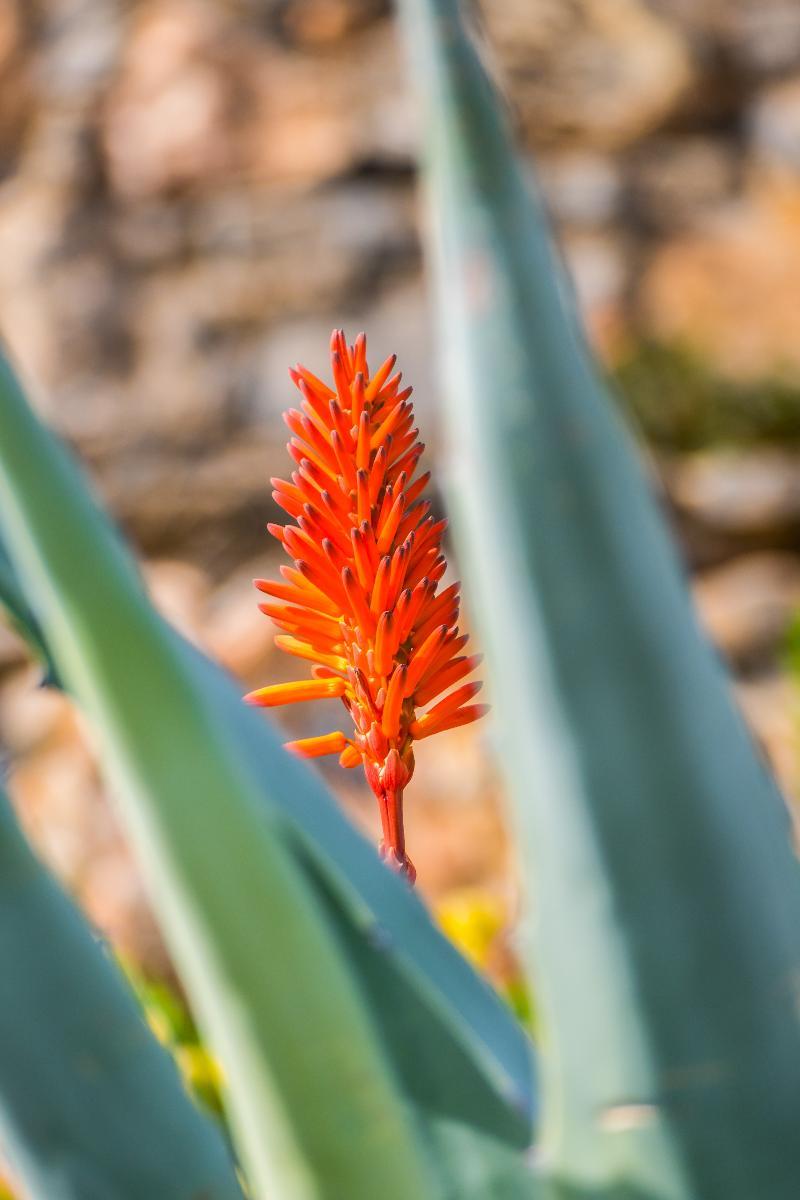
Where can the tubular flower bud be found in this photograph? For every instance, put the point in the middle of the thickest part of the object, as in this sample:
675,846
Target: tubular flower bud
361,599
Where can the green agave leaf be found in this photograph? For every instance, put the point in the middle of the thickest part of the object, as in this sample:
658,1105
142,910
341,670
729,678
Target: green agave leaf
91,1106
311,1096
21,616
485,1167
472,1059
118,655
666,944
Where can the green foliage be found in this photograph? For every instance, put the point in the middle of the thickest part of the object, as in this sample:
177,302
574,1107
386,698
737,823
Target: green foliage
233,832
362,1055
173,1025
666,943
90,1105
680,403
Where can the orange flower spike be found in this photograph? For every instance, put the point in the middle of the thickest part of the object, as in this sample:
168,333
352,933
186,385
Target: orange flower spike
360,600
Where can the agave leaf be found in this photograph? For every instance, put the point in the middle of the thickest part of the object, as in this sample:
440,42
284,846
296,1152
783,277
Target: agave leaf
666,947
116,654
312,1098
91,1105
21,616
472,1060
486,1168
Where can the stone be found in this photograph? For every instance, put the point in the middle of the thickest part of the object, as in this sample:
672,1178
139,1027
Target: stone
590,73
236,633
757,37
769,705
728,290
747,606
582,187
213,506
730,501
13,652
179,590
31,716
80,45
15,82
167,114
773,121
681,181
313,24
598,267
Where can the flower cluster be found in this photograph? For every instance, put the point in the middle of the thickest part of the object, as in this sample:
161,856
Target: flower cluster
361,600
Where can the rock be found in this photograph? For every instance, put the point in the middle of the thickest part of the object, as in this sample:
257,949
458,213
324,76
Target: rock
757,37
730,501
582,187
728,290
32,717
168,115
681,181
590,73
13,652
313,24
179,590
15,82
774,125
80,44
598,266
235,632
769,705
397,321
317,118
747,606
213,507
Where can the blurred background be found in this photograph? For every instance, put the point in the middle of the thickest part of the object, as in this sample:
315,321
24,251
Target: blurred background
193,193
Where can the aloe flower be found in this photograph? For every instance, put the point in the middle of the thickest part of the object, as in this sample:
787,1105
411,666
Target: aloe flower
361,600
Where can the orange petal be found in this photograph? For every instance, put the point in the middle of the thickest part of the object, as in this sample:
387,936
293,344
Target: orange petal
350,757
454,700
300,649
360,353
422,657
292,693
390,718
311,381
416,599
362,496
380,588
342,380
399,413
306,595
445,677
428,725
314,747
385,644
389,528
379,378
357,392
358,601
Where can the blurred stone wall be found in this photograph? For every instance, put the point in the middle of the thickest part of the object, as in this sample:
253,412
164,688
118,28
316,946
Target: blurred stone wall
192,192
